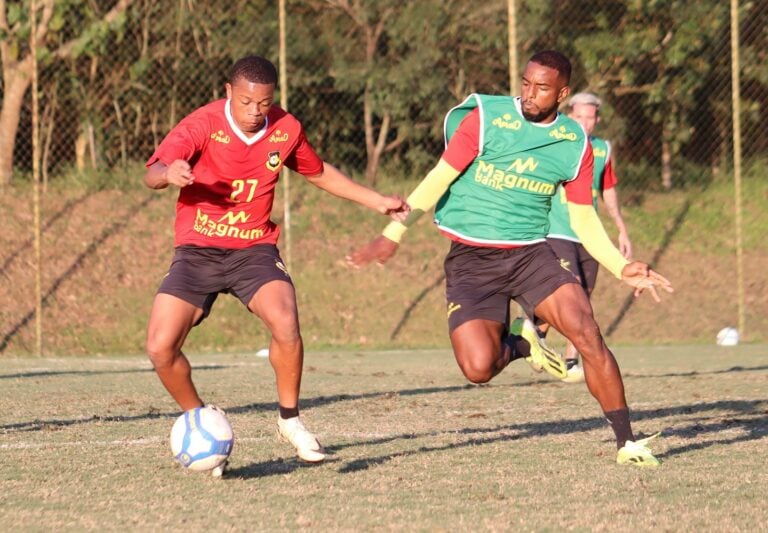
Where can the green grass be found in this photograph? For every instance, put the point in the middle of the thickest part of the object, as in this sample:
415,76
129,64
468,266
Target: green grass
105,250
414,447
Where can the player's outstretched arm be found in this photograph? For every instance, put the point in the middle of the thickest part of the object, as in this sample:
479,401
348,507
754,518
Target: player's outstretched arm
422,199
159,175
587,226
335,182
641,276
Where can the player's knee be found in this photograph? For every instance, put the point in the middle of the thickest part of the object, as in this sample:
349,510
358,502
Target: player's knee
476,372
160,354
285,331
588,339
283,322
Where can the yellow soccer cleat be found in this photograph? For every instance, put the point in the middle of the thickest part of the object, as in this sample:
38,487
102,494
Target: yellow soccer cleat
637,453
542,356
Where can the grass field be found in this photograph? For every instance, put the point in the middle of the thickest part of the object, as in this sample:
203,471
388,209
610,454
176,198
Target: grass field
105,251
83,446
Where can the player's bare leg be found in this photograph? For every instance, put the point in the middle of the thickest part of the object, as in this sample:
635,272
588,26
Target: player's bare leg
275,304
568,310
170,321
479,350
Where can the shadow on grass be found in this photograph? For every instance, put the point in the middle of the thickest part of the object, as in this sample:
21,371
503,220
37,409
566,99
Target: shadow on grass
694,421
755,427
694,373
670,233
319,401
276,467
57,373
736,417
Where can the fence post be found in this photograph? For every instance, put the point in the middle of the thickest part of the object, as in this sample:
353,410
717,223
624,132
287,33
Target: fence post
36,179
284,104
736,103
514,77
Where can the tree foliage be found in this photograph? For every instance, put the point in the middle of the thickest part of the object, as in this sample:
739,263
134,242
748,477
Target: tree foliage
372,79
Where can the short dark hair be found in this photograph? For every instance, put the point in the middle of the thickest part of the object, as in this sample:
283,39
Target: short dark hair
254,69
555,60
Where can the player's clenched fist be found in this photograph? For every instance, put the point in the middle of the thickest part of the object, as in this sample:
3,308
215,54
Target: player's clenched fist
394,206
179,173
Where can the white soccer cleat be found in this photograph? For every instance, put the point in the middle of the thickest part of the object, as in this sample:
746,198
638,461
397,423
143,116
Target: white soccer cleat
575,372
306,444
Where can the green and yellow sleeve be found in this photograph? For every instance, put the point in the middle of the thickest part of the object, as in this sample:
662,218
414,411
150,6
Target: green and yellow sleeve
423,198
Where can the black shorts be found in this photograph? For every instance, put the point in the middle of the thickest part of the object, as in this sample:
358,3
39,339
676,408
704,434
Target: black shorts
575,258
197,275
481,282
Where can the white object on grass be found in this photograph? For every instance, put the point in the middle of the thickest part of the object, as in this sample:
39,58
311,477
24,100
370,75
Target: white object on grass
728,337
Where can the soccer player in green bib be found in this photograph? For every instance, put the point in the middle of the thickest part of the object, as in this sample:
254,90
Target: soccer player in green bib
493,186
584,108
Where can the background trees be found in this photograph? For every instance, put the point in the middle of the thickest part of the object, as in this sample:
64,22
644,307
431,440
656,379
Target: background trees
372,79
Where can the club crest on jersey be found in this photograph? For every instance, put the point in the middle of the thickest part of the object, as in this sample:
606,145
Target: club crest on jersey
274,161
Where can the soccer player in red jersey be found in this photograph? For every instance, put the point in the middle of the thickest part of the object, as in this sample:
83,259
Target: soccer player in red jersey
493,186
225,158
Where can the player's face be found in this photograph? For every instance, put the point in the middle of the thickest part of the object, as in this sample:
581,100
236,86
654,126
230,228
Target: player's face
250,102
586,115
542,91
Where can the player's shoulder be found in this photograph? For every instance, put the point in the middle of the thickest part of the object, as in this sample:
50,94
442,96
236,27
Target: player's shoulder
600,146
564,120
208,114
215,108
565,128
278,115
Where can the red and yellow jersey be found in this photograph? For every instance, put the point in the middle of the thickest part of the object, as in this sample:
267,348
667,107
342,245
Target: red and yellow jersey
230,202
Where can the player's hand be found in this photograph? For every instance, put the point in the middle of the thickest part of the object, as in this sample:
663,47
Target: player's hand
179,173
642,277
379,249
625,245
394,206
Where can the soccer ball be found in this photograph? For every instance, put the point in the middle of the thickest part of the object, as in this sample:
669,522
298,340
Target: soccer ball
202,439
728,337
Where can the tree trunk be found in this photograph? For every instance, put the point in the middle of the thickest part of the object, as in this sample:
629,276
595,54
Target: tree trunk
81,145
15,87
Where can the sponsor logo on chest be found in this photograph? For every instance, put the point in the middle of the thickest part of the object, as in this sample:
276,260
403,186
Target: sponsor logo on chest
220,137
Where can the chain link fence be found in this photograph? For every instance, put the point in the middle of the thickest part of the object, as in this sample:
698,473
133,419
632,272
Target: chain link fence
372,79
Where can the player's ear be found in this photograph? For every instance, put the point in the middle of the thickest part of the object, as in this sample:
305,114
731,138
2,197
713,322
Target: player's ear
563,94
228,87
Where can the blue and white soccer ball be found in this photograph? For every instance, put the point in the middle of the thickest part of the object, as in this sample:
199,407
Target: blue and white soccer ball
202,439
